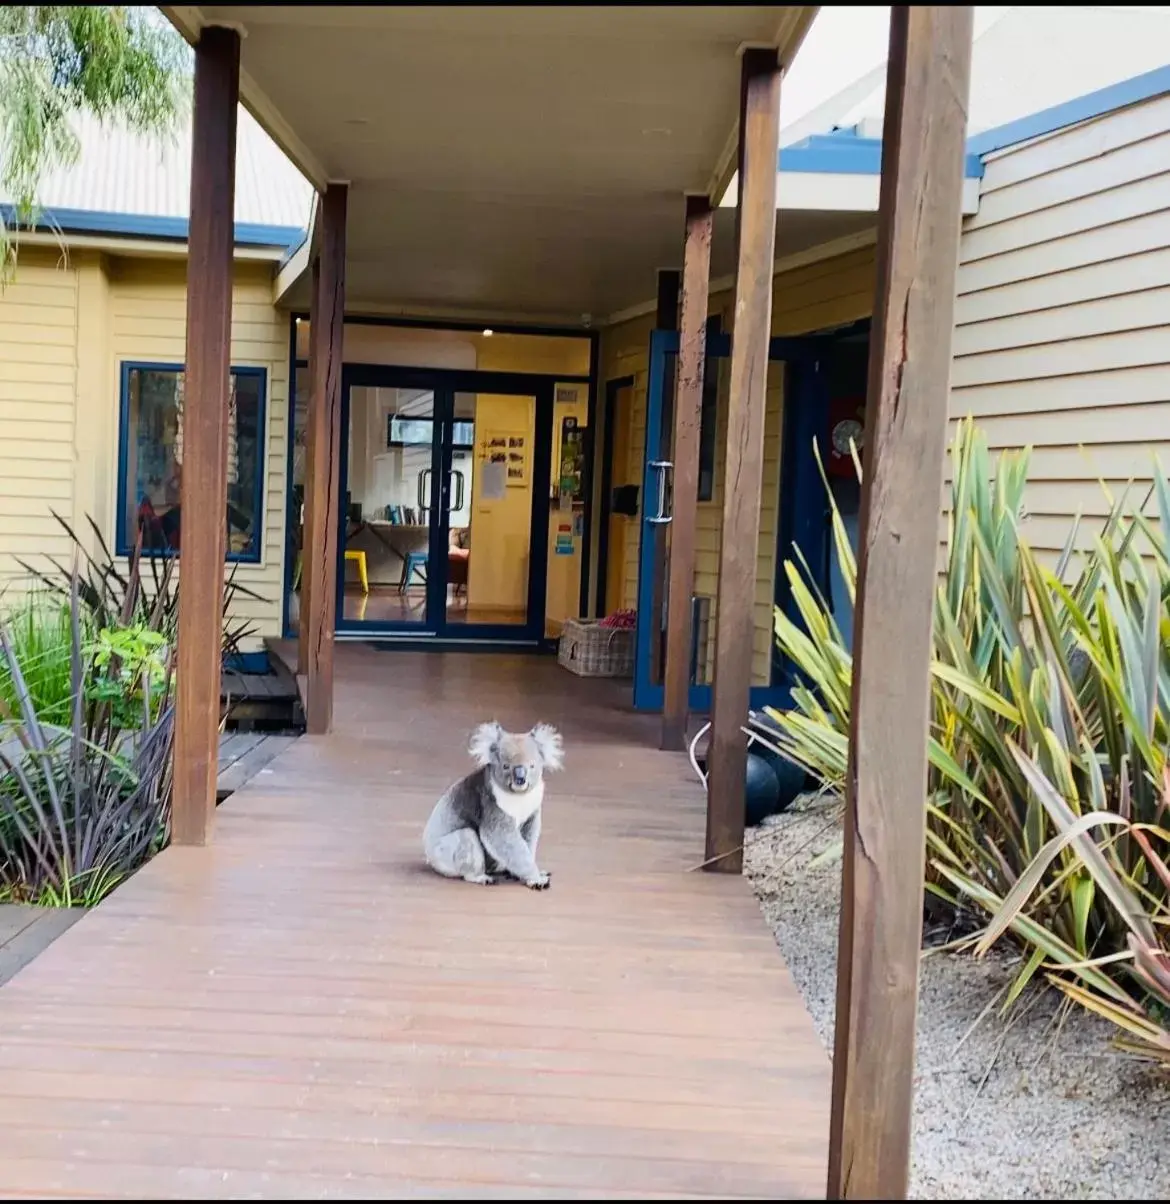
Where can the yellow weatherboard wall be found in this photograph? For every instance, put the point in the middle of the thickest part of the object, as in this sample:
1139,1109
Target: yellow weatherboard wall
39,458
65,332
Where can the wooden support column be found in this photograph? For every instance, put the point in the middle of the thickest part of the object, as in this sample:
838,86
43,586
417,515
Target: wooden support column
909,375
744,466
203,486
306,599
688,406
322,514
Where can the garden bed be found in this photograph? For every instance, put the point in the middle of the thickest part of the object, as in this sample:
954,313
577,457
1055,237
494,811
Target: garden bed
1033,1108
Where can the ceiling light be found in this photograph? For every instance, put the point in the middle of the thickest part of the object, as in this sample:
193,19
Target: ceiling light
487,334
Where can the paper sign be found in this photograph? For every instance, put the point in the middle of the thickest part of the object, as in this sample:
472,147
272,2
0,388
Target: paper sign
493,482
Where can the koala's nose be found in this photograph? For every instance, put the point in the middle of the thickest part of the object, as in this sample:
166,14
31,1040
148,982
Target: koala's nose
519,774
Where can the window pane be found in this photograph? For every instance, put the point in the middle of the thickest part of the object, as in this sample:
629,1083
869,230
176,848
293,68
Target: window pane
154,460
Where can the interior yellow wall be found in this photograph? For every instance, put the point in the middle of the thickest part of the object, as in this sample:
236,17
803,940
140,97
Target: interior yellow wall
624,353
828,293
501,530
64,333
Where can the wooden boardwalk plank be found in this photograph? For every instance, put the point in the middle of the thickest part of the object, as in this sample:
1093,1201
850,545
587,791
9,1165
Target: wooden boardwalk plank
302,1011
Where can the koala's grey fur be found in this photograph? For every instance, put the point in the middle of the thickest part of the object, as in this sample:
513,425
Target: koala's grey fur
486,827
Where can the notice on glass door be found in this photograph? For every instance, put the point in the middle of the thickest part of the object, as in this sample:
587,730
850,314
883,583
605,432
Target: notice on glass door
493,481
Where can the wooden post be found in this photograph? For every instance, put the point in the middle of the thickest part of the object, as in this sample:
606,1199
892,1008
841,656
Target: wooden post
909,376
203,486
306,600
665,318
322,516
744,472
688,406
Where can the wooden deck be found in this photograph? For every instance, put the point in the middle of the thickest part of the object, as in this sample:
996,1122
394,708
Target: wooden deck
301,1011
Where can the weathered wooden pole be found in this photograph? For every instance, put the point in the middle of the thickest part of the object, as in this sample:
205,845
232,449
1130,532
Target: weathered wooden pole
909,376
203,486
688,405
743,476
323,448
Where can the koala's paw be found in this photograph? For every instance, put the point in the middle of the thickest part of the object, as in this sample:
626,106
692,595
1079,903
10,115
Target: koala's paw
542,881
483,879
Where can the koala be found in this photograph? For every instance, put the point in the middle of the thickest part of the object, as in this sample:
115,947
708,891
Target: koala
485,828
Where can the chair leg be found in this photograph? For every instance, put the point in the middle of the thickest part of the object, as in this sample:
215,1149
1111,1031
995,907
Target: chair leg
363,575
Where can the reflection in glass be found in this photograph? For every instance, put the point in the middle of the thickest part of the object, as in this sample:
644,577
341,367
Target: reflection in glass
154,460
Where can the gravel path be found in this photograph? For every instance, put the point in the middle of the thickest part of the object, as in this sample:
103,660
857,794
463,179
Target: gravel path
1041,1111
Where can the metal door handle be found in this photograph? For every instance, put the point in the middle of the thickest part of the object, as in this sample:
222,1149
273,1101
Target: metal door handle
424,500
459,489
662,467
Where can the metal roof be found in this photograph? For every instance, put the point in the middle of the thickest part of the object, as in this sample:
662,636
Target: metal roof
127,184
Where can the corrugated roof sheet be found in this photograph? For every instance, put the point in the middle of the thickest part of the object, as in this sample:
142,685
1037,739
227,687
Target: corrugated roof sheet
120,172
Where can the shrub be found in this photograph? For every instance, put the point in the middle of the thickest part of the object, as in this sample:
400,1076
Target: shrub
39,630
1048,793
85,802
86,723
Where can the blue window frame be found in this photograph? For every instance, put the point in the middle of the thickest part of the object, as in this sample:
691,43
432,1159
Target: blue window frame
150,460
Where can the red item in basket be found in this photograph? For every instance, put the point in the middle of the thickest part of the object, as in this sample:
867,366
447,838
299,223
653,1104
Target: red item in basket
623,620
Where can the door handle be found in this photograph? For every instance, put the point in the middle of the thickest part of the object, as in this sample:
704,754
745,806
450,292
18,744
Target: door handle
662,467
424,500
459,489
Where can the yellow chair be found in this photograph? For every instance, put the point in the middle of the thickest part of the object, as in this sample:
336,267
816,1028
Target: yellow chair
360,559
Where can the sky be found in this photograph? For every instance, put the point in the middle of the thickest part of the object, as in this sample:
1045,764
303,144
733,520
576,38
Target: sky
846,41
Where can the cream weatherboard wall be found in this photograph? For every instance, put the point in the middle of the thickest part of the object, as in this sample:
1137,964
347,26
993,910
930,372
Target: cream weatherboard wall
827,293
1062,322
65,332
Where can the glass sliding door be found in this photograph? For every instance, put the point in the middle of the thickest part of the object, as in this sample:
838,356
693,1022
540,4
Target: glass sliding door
388,485
445,499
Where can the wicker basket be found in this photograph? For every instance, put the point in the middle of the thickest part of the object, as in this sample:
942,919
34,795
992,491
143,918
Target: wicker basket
590,650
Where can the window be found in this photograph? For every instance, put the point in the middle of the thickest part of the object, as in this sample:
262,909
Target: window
152,459
708,413
406,431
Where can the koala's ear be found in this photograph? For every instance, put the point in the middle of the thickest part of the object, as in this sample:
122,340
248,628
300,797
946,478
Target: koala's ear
548,740
484,741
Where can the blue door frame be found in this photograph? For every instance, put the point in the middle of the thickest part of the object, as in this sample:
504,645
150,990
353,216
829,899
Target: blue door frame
803,500
435,630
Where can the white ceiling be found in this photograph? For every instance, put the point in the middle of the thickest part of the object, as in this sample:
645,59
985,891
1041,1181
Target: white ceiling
524,161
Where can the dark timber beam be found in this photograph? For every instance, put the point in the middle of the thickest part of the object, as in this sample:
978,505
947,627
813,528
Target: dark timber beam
687,416
666,310
306,599
909,376
744,465
322,515
203,486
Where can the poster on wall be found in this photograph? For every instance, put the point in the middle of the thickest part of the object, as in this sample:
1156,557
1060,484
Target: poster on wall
517,461
571,470
504,458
